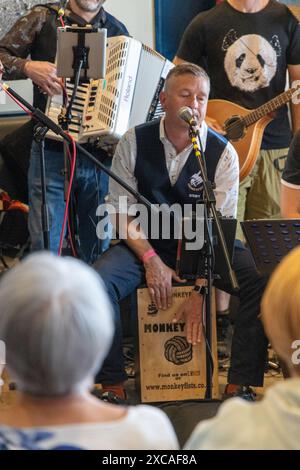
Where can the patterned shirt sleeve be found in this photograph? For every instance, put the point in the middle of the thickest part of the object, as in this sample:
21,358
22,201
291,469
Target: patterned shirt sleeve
227,182
16,45
123,165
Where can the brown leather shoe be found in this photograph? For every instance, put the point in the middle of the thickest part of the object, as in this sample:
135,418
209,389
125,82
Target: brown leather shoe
112,397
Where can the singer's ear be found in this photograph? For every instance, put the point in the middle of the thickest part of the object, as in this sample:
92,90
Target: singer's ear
162,99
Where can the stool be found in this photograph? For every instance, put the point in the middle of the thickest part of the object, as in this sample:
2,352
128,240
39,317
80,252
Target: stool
168,368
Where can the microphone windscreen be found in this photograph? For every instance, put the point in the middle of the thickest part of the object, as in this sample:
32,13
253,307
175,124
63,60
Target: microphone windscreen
186,114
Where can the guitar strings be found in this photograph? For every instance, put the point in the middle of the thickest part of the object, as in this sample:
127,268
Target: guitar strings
236,124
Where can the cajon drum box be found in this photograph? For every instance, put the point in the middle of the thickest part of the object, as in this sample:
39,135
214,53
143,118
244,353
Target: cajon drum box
170,368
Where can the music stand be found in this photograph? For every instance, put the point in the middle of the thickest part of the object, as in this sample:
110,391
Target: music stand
270,240
81,43
192,265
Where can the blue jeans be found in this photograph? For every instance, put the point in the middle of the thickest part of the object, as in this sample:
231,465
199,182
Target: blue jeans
90,188
122,273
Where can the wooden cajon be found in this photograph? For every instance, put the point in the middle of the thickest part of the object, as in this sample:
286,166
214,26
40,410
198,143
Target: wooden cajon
169,368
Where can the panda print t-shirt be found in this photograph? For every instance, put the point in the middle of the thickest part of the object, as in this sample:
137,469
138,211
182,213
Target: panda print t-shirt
246,56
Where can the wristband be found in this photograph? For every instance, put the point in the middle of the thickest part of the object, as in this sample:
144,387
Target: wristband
149,254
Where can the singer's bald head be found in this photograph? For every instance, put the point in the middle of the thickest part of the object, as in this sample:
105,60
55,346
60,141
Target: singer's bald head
186,68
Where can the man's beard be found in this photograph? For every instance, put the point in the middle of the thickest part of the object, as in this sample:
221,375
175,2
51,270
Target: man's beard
89,5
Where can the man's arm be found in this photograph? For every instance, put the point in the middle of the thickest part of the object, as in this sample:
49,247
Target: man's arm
294,78
15,50
158,275
227,182
290,181
290,201
159,281
15,46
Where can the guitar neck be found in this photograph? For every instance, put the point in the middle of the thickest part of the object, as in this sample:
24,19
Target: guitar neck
268,107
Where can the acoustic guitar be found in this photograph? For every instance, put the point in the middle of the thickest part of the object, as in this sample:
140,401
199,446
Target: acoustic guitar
244,128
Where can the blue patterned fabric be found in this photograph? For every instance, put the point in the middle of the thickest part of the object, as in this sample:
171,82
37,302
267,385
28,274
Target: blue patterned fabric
15,439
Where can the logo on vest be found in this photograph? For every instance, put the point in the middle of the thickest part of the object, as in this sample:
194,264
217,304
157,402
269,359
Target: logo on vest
196,182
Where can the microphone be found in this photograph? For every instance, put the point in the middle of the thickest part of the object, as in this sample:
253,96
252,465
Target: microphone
187,115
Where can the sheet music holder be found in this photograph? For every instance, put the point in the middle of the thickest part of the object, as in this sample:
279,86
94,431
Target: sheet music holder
191,263
270,240
87,43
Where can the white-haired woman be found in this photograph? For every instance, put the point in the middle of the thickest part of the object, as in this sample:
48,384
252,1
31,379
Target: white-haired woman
274,422
56,322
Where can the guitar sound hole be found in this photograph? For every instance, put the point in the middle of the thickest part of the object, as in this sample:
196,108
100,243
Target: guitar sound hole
234,128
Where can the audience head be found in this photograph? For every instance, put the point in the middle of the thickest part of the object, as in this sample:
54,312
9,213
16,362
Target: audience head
57,324
281,310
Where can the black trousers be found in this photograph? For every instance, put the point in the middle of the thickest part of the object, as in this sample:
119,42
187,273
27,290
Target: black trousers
249,343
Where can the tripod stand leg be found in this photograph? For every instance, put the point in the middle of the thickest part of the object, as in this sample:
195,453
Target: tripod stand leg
39,136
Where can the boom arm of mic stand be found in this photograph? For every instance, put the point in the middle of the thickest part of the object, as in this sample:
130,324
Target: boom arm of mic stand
210,198
47,122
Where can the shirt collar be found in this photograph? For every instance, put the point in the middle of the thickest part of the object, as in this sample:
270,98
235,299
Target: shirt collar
163,137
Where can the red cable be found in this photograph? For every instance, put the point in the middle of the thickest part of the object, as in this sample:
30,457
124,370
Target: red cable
72,162
16,101
69,227
68,196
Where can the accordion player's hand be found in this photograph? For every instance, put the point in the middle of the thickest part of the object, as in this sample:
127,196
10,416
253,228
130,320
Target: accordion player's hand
43,74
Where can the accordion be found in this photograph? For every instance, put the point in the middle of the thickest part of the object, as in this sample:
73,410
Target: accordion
105,109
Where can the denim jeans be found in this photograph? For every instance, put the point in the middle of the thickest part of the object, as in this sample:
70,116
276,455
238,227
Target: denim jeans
90,188
122,273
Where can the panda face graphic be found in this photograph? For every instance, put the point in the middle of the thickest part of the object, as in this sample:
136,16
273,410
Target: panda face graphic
250,61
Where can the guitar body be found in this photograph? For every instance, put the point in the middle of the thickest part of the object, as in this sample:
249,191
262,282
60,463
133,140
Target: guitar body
246,140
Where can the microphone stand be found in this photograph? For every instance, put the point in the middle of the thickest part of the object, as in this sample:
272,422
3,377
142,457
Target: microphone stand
210,211
80,62
39,136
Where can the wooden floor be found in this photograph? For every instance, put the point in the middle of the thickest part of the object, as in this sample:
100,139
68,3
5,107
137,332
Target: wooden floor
272,376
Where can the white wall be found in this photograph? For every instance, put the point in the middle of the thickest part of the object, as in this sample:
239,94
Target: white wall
137,15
